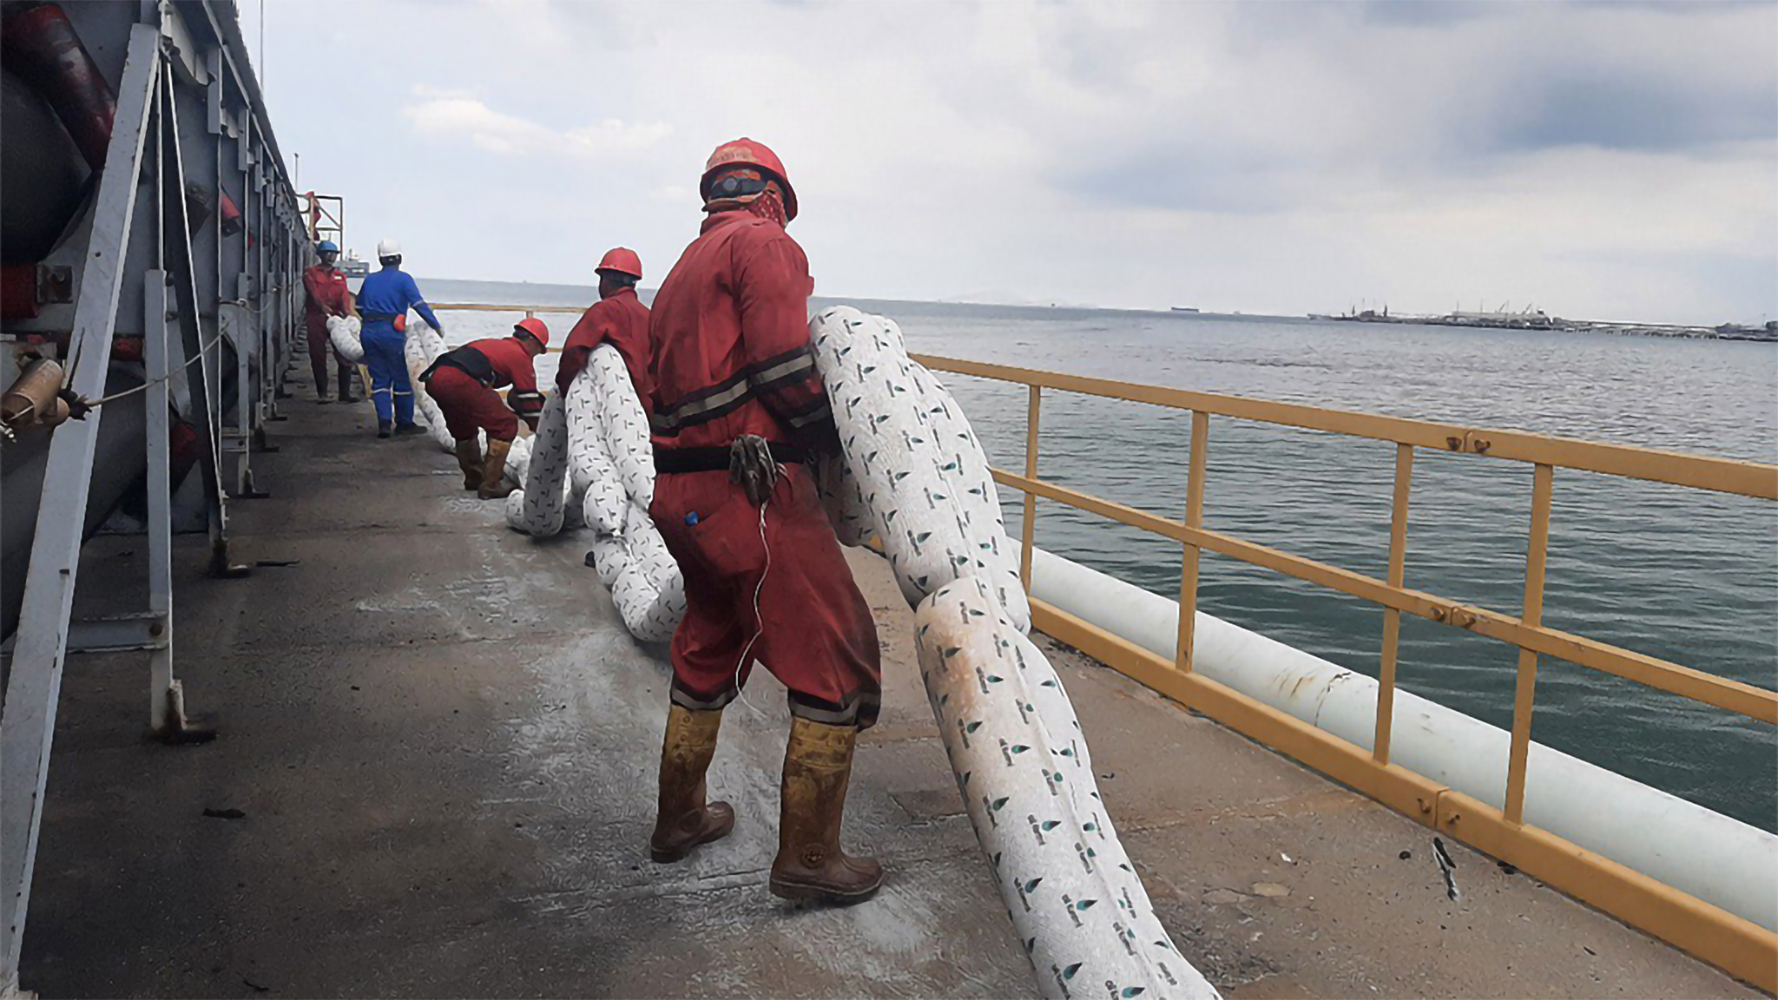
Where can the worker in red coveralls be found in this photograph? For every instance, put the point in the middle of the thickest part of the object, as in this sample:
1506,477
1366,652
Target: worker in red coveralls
733,380
326,295
619,318
462,383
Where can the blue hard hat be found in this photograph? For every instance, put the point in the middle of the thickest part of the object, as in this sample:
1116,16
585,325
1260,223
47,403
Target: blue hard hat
327,246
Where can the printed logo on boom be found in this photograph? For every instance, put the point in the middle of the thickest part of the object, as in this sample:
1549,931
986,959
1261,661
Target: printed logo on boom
944,660
1063,975
1076,908
964,728
1041,827
1025,888
1010,750
994,806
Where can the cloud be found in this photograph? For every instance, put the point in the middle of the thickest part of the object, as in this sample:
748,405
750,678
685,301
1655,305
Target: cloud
1190,179
1287,157
1427,13
457,115
1616,112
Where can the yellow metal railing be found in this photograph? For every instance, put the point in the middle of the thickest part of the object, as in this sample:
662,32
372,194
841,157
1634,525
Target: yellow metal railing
1725,939
529,312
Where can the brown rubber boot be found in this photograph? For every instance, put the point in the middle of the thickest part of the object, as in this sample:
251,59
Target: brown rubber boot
684,820
494,485
810,864
469,459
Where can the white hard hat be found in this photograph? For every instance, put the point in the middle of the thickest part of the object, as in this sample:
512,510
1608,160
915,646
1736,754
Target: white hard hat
387,247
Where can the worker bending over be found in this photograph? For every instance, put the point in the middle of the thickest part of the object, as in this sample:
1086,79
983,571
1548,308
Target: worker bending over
462,383
734,377
619,318
383,300
326,294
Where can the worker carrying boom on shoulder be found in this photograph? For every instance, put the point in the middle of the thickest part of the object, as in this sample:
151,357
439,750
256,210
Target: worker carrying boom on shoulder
325,294
619,318
734,379
383,300
462,383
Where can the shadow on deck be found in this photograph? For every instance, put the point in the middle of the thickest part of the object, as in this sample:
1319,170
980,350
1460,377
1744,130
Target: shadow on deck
444,745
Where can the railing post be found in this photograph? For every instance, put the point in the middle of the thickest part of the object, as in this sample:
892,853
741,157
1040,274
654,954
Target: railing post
1029,530
1536,549
1398,557
1194,519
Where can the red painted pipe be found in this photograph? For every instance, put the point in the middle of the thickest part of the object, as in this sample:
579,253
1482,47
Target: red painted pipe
18,291
40,45
231,215
184,447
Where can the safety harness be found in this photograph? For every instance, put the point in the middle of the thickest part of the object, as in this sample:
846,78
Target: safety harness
465,359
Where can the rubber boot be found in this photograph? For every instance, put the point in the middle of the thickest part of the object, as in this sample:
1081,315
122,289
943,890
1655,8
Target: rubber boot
383,427
469,459
346,378
684,820
810,864
320,373
494,485
403,430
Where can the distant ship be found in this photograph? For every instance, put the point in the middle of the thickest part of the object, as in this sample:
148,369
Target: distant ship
354,266
1185,309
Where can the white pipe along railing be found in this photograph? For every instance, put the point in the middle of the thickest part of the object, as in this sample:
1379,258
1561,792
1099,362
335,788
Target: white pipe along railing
1718,859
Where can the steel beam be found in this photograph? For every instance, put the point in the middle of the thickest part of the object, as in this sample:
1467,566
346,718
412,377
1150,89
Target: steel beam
182,267
119,633
28,725
165,697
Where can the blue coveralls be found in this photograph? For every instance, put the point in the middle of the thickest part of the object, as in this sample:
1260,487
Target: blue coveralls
389,293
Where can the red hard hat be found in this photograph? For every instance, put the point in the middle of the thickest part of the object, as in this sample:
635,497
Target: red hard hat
622,260
533,326
753,154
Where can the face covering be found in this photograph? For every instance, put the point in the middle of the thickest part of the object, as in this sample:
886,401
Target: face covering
769,205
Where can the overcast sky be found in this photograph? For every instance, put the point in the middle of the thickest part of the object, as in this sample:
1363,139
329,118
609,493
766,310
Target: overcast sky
1610,160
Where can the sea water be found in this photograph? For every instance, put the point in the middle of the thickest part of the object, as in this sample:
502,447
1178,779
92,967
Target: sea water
1684,575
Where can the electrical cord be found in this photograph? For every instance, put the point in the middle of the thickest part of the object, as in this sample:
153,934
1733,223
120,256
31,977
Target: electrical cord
759,624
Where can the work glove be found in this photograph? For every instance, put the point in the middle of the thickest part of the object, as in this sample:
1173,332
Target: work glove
752,467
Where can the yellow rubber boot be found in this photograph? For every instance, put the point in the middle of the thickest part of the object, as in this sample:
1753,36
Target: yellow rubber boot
469,459
684,820
494,485
810,864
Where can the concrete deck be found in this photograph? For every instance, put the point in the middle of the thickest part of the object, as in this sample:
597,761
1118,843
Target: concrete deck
444,745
